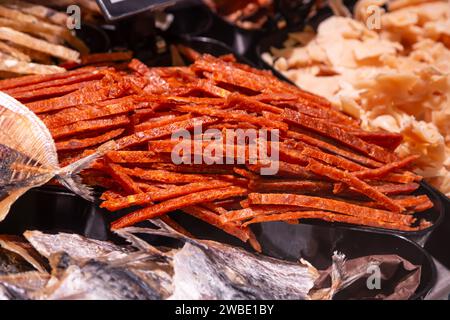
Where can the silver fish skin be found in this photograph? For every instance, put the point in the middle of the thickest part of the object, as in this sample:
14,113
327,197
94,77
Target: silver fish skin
83,268
95,280
211,270
87,261
226,273
28,156
76,246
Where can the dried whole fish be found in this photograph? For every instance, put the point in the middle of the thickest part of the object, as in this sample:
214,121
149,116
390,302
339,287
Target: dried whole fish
29,158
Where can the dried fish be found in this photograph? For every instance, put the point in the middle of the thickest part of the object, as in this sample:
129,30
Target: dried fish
83,268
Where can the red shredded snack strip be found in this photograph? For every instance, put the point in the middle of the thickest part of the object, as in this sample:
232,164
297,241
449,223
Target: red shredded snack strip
76,144
354,182
89,126
331,148
95,75
331,217
89,112
50,92
166,176
177,203
384,170
291,186
214,219
388,140
32,79
330,205
160,195
135,157
236,116
339,134
104,89
146,135
125,181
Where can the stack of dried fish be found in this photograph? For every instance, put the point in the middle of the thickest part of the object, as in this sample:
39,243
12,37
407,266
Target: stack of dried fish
328,167
83,268
32,37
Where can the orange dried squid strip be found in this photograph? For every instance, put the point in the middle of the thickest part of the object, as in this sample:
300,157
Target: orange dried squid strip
135,157
235,116
352,181
146,135
89,112
47,93
290,185
100,90
214,219
33,79
388,140
125,181
324,128
76,144
177,203
89,126
166,176
384,170
254,211
330,205
160,195
154,124
95,75
330,217
333,149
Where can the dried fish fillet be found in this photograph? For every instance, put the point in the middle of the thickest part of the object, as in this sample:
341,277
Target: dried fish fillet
28,156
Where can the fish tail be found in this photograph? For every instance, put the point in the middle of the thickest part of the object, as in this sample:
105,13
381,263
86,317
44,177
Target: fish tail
68,176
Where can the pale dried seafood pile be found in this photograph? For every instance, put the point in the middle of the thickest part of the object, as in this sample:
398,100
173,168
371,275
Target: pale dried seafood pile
395,77
35,38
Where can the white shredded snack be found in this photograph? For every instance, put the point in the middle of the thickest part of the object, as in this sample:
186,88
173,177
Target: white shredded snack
395,77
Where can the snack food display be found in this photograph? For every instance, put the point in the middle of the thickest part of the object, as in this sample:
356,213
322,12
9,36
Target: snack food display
167,166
